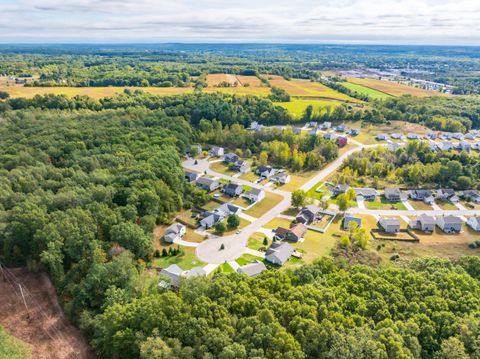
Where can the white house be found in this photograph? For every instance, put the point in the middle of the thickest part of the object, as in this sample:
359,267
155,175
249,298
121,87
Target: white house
174,232
474,223
255,195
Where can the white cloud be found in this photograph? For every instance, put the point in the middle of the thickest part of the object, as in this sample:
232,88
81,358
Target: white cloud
381,21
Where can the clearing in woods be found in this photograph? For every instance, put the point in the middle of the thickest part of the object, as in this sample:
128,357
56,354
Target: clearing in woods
393,88
46,329
298,107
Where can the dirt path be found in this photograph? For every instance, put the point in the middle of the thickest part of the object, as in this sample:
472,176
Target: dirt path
47,330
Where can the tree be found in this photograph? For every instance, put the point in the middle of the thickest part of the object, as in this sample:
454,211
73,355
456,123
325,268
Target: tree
4,95
342,202
265,241
132,237
233,221
298,198
452,348
263,158
220,228
344,241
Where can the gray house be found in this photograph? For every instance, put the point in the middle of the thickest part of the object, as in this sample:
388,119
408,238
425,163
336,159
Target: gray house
424,195
231,157
450,224
241,166
232,189
423,223
351,219
471,195
252,269
308,214
191,176
390,225
369,194
474,223
210,219
216,151
340,188
173,272
392,194
196,272
279,253
265,171
208,184
174,232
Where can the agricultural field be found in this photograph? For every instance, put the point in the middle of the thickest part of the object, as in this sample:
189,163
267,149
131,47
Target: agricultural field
94,92
372,93
393,88
297,107
308,89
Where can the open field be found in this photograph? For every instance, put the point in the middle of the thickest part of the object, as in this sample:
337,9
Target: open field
48,331
372,93
266,204
216,79
308,89
393,88
95,92
240,90
297,107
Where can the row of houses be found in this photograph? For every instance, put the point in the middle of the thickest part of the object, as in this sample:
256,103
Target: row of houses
278,176
211,218
396,195
426,223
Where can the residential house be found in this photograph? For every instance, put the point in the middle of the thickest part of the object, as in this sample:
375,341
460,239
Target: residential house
232,189
326,125
341,141
445,146
252,269
339,189
191,176
279,252
216,151
368,194
231,157
432,135
351,219
265,171
469,136
294,233
458,136
281,178
412,136
296,130
474,223
464,146
196,272
397,136
423,223
471,195
253,125
174,232
447,194
393,194
255,195
308,214
174,272
312,124
393,146
241,166
389,225
330,136
354,132
450,223
314,131
382,137
341,128
422,195
208,184
210,219
227,209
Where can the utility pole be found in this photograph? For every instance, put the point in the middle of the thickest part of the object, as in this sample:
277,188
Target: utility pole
24,301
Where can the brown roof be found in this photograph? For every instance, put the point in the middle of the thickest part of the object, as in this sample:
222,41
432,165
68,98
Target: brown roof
299,229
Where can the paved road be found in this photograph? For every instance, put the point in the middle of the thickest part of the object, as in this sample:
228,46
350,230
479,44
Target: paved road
235,245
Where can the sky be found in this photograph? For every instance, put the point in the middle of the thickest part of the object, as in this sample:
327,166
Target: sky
443,22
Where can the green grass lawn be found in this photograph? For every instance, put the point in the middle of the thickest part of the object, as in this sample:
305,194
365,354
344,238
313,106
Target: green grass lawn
256,241
382,203
316,244
375,94
210,206
243,223
266,204
278,222
224,268
312,192
249,176
186,261
242,202
247,258
221,167
446,205
191,236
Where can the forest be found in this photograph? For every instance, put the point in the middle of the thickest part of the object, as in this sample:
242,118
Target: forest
413,165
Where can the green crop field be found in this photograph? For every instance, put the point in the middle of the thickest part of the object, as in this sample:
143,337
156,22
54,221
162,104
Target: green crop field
378,95
297,107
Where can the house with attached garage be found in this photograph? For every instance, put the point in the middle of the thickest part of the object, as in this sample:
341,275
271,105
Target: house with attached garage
458,136
389,225
196,272
339,189
210,219
474,223
232,189
412,136
397,136
393,194
329,136
265,171
191,176
382,137
393,146
449,223
308,214
216,151
326,125
424,195
445,146
231,157
174,273
294,233
351,219
368,194
447,194
241,166
208,184
354,132
423,223
471,195
252,269
279,253
255,195
174,232
281,178
465,146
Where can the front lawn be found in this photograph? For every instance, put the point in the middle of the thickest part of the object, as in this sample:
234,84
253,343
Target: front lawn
265,205
448,206
221,167
420,205
256,241
318,191
224,268
187,260
382,203
249,176
247,258
243,223
278,222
